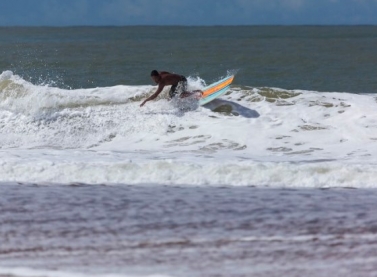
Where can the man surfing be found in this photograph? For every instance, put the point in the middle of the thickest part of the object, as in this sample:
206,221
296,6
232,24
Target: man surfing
177,82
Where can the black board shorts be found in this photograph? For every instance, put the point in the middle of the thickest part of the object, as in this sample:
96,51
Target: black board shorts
178,88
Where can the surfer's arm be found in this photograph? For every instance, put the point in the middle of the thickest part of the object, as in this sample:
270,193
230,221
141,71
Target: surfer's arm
154,95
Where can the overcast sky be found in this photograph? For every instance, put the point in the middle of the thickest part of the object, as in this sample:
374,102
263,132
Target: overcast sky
186,12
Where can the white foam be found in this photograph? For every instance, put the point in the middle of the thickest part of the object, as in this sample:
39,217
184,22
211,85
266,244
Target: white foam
258,136
106,167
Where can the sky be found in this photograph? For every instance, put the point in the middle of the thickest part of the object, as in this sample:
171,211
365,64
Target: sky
186,12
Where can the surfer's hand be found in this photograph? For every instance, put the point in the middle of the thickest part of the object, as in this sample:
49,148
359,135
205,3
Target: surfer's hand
142,104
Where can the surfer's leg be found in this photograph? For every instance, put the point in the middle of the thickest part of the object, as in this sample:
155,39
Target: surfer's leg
180,88
173,91
196,94
183,84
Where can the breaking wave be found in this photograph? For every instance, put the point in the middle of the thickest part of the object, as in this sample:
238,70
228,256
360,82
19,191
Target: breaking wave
250,136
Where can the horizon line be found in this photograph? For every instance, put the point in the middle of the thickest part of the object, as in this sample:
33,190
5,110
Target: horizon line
184,25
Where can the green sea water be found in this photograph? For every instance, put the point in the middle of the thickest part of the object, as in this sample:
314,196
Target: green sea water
319,58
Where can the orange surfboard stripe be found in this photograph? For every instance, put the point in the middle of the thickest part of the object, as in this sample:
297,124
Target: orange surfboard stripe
217,87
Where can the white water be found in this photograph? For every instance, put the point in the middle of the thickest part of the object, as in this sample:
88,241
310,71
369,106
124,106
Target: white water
251,136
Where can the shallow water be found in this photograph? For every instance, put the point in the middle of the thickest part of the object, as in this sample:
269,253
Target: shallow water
95,230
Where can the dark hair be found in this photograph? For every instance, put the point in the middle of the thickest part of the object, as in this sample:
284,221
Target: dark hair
154,73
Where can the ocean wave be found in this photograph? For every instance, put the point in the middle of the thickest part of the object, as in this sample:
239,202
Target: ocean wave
286,131
20,96
109,168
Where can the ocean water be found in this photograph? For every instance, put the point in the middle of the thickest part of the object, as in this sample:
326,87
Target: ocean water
277,177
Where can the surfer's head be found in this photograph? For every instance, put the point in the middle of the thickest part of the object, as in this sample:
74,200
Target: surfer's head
155,76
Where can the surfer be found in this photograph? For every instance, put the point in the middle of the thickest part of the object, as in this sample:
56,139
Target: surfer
177,82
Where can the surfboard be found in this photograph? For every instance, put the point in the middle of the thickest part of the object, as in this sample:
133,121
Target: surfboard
210,92
215,90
